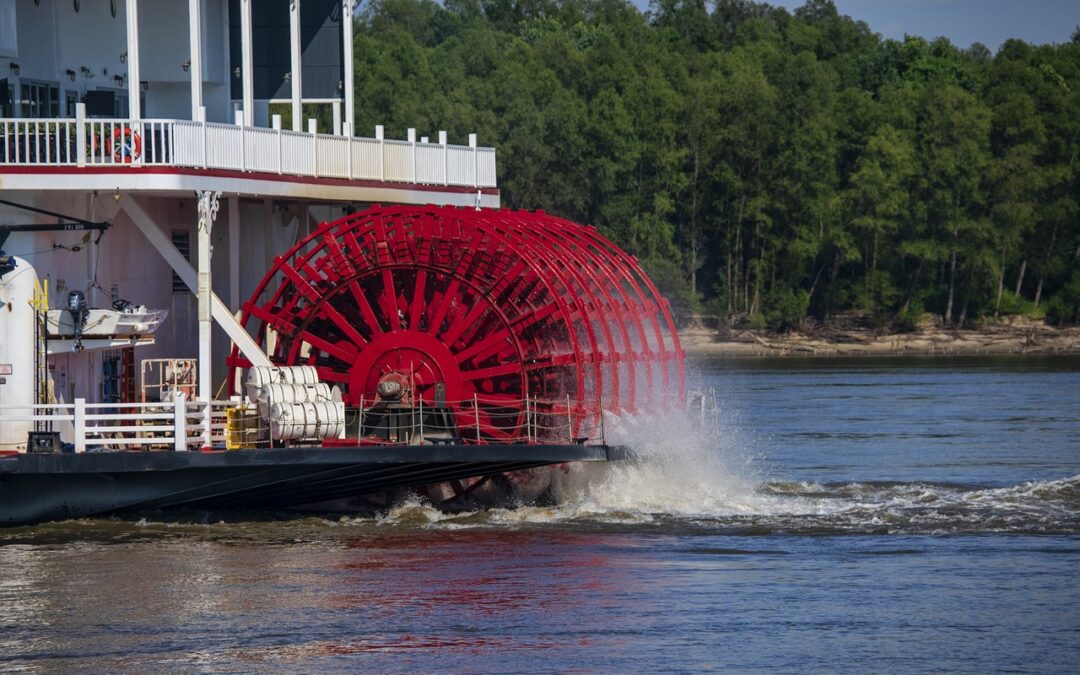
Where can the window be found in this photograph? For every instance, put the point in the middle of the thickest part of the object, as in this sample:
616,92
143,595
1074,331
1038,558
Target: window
40,99
181,239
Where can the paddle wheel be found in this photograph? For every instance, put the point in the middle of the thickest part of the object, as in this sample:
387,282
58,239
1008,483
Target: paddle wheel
502,317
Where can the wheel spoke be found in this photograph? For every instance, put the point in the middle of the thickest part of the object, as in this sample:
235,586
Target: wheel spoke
418,299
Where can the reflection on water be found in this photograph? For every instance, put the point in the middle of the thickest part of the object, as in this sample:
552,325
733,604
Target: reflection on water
928,521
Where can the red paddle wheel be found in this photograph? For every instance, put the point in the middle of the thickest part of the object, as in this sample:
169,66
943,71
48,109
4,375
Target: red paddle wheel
506,310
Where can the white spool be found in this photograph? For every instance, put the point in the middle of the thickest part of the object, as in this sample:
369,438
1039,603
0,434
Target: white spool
311,420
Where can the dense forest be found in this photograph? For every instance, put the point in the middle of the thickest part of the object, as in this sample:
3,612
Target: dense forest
767,167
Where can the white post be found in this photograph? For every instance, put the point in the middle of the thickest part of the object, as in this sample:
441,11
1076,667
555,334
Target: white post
347,55
134,109
275,122
313,128
528,425
336,105
80,134
445,158
603,428
476,412
382,151
475,161
195,48
202,129
421,419
180,422
246,68
569,420
412,140
294,44
80,425
208,207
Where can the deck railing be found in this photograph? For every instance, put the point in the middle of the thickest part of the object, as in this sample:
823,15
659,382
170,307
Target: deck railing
120,143
180,425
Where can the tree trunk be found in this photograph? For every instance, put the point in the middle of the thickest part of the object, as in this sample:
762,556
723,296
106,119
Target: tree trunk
1042,273
730,288
832,285
1001,285
952,278
1020,275
911,286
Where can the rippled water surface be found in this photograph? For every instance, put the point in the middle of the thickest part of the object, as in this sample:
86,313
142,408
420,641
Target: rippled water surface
834,515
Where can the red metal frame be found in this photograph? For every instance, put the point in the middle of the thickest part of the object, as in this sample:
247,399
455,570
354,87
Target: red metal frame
497,305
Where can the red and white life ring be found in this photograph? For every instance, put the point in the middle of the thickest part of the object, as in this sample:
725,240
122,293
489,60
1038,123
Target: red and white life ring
126,145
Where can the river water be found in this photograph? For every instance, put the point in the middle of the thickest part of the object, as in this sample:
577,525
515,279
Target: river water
870,515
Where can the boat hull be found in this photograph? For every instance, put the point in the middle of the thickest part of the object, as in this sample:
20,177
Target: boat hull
41,487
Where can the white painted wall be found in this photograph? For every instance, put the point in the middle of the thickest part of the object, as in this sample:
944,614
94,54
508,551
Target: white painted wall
53,38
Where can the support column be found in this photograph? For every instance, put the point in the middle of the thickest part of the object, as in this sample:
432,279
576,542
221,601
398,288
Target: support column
208,208
347,56
246,68
294,44
134,107
195,48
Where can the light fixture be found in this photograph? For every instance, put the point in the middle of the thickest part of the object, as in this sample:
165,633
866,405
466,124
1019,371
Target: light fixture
119,80
288,77
143,85
186,65
14,68
236,71
70,74
123,57
87,73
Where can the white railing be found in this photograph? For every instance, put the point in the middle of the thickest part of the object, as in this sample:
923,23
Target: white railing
84,142
180,425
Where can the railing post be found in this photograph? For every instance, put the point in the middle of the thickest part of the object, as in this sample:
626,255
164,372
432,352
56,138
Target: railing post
313,129
348,155
80,425
476,413
421,419
603,428
275,122
445,158
80,134
412,169
569,421
202,125
382,151
475,161
238,120
528,427
360,424
180,423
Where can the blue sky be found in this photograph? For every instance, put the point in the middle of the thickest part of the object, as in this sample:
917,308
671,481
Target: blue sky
990,22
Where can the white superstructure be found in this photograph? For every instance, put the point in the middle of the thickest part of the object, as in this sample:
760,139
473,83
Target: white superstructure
157,117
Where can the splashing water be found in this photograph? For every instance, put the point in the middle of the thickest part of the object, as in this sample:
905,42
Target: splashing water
706,476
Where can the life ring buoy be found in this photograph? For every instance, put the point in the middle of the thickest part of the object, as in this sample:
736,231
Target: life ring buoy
126,145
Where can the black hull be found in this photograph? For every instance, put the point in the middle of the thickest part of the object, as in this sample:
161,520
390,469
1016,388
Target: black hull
40,487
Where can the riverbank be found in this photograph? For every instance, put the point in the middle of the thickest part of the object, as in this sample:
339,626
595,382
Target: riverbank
1017,338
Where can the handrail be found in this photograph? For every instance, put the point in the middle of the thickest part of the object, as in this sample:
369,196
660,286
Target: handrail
180,424
125,143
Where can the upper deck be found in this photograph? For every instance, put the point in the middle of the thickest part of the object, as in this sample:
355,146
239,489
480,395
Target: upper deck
177,156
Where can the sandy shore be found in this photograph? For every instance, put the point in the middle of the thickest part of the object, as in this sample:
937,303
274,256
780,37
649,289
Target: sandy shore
995,339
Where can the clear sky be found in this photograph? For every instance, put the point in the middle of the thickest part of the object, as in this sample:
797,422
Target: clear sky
990,22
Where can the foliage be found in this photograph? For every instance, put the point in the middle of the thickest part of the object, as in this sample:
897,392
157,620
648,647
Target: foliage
763,164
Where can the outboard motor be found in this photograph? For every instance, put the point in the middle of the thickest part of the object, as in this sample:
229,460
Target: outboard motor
76,307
